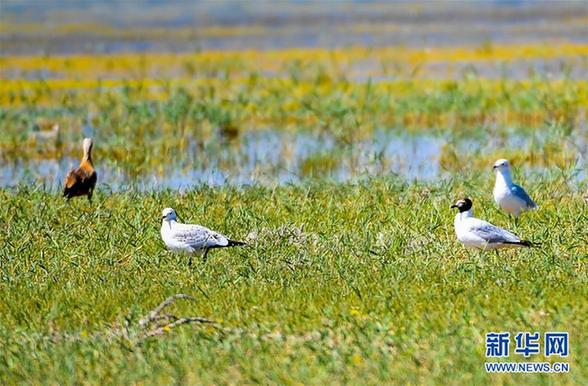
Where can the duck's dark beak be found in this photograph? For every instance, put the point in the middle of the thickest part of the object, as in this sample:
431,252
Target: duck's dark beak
453,206
494,167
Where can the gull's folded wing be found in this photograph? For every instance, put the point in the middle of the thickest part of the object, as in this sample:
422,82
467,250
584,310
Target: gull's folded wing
199,237
493,234
520,193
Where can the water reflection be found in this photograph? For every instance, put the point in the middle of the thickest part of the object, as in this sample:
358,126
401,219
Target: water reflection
266,157
270,157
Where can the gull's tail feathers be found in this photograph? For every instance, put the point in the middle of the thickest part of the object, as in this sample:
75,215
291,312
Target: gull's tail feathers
524,243
233,243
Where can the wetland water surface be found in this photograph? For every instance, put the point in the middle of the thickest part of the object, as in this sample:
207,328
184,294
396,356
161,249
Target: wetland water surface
272,157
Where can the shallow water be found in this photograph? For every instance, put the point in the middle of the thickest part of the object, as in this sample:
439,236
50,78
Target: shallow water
259,157
273,157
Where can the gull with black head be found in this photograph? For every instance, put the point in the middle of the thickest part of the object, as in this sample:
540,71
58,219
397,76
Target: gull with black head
476,233
190,238
509,196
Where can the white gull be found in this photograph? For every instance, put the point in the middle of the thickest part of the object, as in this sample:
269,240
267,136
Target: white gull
508,195
476,233
189,238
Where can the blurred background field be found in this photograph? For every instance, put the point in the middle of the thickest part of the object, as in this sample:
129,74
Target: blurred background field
179,26
181,93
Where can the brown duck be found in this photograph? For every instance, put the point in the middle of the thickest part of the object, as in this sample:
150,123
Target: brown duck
82,180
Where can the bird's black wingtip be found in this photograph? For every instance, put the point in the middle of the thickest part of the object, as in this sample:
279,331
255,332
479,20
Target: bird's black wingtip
529,244
524,243
234,243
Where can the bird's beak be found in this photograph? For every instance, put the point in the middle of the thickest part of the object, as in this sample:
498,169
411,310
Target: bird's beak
453,206
162,218
494,166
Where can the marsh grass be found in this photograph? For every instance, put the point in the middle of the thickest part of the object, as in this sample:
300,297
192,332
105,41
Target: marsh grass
129,126
145,109
340,283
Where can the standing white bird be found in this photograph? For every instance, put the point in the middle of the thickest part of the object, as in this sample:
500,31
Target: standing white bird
476,233
508,195
189,238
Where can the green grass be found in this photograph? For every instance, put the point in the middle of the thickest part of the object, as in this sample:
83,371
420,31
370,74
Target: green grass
138,132
373,289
